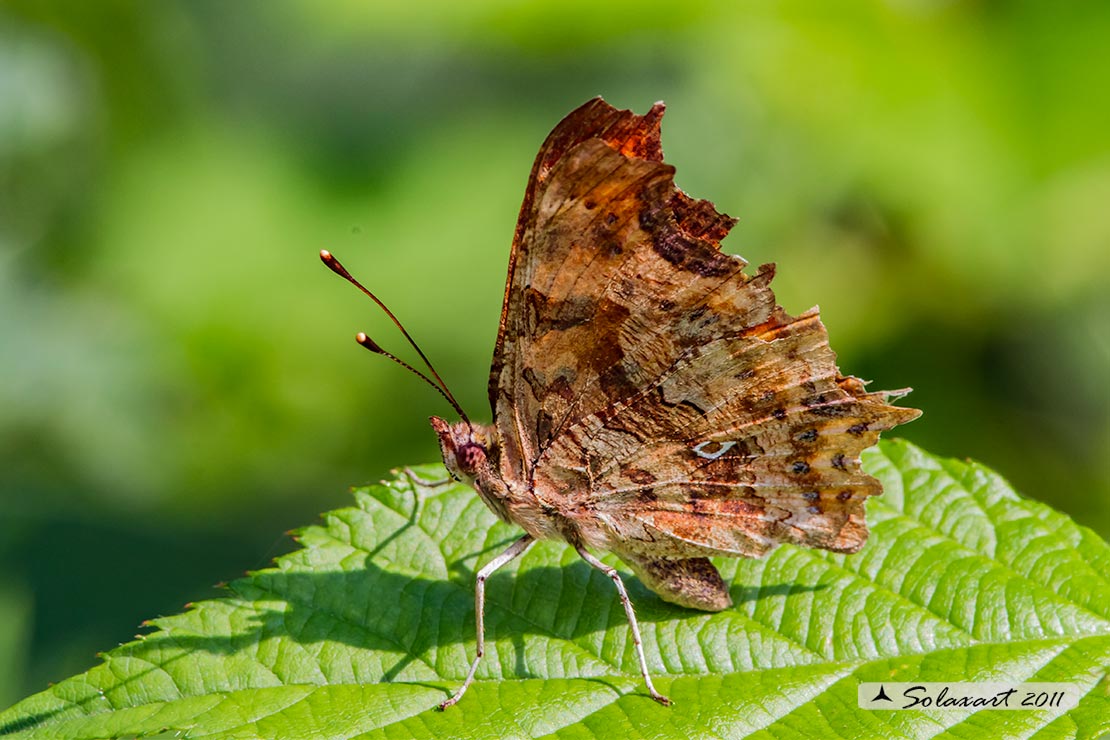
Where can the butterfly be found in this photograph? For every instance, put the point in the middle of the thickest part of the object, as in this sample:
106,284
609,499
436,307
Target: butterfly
650,398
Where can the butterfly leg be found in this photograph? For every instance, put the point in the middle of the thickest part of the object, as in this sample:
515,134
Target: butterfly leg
515,550
426,483
628,612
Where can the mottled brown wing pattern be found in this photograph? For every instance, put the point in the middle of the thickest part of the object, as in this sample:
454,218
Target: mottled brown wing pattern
577,279
643,380
744,444
529,255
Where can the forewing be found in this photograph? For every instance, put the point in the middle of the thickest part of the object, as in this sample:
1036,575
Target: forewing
599,258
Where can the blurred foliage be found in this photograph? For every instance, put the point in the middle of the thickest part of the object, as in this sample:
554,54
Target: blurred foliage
178,377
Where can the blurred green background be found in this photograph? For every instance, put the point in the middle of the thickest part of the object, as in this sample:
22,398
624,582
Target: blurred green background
178,380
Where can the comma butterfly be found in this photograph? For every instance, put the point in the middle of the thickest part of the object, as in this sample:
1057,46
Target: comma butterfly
649,398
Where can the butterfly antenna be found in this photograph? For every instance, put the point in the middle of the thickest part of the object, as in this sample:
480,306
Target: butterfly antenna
334,265
371,345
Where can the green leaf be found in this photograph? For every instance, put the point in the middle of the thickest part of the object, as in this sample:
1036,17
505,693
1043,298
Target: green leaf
366,628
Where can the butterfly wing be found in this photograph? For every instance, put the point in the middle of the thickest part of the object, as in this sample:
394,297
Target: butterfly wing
744,461
566,291
647,388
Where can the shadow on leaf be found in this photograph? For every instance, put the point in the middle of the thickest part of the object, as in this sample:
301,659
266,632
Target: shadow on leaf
405,622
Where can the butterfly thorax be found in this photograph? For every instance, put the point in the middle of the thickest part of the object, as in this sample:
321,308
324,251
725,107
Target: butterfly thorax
471,455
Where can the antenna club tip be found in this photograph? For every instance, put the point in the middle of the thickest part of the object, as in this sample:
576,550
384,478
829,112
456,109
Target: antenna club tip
367,342
334,265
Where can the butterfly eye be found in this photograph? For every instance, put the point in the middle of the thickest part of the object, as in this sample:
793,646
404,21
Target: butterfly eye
470,456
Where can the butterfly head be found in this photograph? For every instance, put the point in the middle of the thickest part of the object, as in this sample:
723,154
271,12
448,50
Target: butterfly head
465,448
